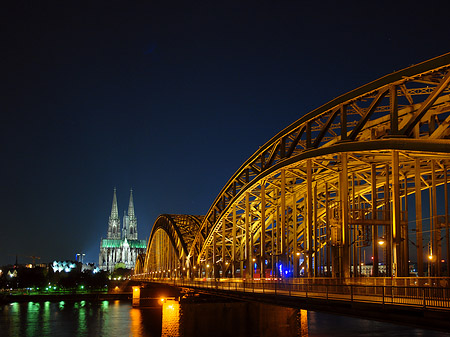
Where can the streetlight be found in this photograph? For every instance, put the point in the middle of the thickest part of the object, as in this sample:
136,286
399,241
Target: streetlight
430,258
382,244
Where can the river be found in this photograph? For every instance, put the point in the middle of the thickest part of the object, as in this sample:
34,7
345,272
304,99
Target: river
119,318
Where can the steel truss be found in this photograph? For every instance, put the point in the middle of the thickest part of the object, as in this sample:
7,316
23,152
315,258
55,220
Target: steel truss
337,183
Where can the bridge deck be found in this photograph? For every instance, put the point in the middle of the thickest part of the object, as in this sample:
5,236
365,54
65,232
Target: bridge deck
421,297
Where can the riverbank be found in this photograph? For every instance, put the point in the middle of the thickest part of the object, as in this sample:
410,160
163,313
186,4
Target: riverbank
7,298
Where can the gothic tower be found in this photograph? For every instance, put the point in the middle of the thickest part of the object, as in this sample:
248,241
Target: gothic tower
129,230
114,220
132,220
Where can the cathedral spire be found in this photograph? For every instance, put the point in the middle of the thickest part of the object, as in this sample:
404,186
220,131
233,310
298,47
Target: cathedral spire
114,221
131,205
132,221
114,208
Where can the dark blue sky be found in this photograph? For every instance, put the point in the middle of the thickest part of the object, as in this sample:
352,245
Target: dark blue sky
169,100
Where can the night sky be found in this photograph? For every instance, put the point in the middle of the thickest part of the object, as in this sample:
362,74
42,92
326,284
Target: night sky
170,100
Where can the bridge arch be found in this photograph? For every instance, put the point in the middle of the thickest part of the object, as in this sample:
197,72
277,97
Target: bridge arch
345,180
169,245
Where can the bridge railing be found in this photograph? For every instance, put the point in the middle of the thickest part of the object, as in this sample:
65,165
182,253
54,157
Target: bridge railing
417,296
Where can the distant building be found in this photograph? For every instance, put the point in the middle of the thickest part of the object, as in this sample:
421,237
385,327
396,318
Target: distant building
64,266
121,246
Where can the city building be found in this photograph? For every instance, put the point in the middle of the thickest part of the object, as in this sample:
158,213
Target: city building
121,246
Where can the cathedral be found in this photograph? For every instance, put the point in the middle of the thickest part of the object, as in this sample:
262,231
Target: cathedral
121,246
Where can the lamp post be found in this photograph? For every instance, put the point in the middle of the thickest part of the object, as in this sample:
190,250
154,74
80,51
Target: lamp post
430,258
382,244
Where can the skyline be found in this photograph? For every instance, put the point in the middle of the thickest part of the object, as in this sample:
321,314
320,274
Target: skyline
169,101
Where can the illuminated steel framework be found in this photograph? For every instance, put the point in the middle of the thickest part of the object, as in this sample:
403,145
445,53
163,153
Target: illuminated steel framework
364,174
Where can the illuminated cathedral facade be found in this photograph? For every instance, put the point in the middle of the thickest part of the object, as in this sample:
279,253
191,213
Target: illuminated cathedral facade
122,246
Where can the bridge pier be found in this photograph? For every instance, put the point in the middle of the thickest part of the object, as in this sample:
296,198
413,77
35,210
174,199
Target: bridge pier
153,294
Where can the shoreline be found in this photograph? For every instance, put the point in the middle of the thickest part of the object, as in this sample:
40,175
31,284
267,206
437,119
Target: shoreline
6,299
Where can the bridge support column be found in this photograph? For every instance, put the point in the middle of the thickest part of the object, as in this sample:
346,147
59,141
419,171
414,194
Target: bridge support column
354,229
215,267
435,230
263,231
446,219
398,254
328,228
233,244
387,229
295,251
224,264
418,195
309,215
315,229
374,217
283,222
343,196
404,222
248,248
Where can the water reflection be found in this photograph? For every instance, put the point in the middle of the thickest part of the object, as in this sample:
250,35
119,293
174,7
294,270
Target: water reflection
145,322
82,327
171,318
303,323
184,319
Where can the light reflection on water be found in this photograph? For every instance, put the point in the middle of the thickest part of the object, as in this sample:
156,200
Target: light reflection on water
171,318
117,318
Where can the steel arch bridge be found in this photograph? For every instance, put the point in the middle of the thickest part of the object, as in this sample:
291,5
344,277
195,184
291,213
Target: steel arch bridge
366,173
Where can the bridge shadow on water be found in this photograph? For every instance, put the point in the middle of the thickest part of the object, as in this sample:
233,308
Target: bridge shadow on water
233,318
218,319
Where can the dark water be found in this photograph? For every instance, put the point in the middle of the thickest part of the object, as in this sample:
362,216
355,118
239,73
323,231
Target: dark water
117,318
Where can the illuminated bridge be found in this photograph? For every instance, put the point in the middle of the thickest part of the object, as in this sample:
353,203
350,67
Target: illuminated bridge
350,193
